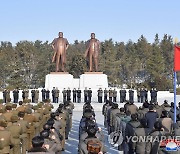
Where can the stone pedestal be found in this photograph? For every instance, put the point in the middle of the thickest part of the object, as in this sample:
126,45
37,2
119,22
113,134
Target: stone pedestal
59,79
93,80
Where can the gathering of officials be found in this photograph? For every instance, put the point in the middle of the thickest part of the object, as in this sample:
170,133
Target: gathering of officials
79,94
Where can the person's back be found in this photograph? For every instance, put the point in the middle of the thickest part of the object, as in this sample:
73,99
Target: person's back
166,122
5,138
151,117
37,146
155,136
141,133
129,130
132,108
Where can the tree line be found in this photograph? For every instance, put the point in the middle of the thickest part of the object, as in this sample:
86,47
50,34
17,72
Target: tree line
136,64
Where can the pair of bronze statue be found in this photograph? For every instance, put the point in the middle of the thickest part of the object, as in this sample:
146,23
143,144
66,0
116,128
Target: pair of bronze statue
60,46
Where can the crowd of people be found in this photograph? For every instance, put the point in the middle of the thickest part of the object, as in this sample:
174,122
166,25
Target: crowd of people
76,94
141,130
91,137
27,128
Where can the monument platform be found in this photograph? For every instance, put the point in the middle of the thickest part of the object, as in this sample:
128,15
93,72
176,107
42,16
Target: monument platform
93,80
59,79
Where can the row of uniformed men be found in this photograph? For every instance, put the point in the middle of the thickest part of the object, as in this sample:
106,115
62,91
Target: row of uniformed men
91,138
18,125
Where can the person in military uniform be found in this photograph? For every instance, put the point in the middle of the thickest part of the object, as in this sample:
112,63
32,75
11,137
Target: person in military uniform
33,96
8,98
138,95
68,94
26,94
105,95
64,95
5,96
89,95
24,125
131,95
56,95
110,94
53,94
8,114
16,95
100,94
85,94
43,92
122,95
74,95
16,132
36,95
30,118
5,138
114,95
47,93
79,95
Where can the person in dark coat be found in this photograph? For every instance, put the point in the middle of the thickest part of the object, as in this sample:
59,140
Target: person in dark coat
16,95
89,95
43,92
105,95
100,94
85,94
53,94
141,131
122,95
153,147
146,94
74,95
33,95
79,95
130,131
47,94
131,95
142,95
151,117
5,96
68,94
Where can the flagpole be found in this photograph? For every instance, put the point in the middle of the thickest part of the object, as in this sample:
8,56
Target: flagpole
175,96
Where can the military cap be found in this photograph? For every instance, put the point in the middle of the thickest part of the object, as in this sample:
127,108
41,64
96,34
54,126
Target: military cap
40,105
1,110
14,105
35,107
21,114
28,111
3,123
14,118
8,107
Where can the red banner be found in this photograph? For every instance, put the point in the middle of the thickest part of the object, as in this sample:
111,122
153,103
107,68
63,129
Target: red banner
176,58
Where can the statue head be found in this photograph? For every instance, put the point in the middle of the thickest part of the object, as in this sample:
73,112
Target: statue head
92,35
61,34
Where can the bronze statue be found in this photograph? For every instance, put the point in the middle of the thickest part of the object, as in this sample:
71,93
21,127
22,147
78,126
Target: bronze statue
60,45
92,52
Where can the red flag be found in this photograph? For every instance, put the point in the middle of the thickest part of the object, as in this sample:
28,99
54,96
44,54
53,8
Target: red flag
176,58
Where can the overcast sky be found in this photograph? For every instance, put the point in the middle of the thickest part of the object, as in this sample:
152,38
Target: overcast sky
120,20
